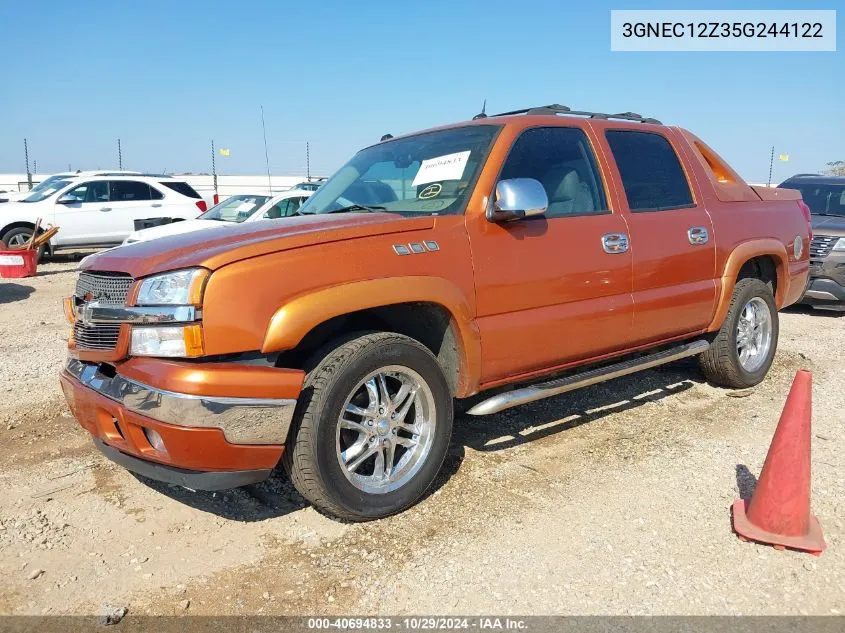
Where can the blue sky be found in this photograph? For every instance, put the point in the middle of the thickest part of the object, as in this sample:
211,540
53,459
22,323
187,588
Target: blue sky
166,77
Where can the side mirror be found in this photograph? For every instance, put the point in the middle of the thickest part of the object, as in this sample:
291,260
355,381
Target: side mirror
66,200
517,199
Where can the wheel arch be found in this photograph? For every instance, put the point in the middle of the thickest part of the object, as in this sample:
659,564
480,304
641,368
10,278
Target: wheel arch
21,224
431,310
765,259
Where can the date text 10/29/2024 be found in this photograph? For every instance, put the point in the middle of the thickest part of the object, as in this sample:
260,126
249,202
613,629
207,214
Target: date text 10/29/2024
419,623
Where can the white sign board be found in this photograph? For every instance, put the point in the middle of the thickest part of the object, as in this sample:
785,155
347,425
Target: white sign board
448,167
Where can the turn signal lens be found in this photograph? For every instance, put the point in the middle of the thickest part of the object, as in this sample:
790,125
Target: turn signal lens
168,341
70,314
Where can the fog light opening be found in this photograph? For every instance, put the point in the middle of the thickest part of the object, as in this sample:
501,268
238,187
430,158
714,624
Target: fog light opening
155,440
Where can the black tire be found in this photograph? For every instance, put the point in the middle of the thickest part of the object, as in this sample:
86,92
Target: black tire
311,457
720,363
20,235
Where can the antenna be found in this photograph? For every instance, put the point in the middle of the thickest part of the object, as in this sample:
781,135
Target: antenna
119,156
483,113
266,158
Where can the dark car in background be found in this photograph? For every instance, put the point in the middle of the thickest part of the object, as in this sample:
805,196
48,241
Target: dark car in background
825,195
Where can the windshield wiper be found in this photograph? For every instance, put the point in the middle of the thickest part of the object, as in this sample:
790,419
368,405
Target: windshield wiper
358,207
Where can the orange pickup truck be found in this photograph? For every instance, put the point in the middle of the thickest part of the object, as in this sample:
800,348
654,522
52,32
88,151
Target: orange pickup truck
523,255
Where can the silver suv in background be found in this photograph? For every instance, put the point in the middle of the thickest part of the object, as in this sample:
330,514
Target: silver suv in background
825,195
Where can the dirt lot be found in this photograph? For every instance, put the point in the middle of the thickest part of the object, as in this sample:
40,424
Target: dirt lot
612,500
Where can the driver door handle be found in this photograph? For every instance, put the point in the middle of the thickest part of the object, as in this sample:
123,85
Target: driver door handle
614,243
105,208
156,204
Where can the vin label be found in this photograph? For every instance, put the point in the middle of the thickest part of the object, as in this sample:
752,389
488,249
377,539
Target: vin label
722,30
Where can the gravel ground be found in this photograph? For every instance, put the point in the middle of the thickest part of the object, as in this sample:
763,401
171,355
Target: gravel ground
611,500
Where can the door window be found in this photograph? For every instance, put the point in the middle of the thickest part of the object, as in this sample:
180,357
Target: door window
562,160
97,191
129,191
284,208
651,172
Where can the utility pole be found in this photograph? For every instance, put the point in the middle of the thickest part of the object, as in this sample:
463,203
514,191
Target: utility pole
26,158
119,156
214,168
307,161
771,165
266,157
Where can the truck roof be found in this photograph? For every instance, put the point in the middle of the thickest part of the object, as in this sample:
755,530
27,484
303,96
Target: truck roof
552,110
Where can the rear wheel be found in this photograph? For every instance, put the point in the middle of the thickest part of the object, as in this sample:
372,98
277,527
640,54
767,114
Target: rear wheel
372,429
742,352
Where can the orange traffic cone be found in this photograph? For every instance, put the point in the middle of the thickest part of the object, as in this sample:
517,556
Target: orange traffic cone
779,511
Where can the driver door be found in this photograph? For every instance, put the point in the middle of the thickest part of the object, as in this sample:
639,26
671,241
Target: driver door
82,214
553,289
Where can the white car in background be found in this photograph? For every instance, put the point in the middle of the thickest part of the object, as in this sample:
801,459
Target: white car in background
97,211
55,179
234,209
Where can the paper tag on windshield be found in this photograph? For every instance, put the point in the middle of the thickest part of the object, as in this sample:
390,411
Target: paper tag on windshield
448,167
245,207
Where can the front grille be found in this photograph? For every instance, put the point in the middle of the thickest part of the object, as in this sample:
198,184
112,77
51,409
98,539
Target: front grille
821,246
109,288
105,288
99,337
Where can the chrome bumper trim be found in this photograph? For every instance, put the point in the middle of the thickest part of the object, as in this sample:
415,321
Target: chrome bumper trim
242,420
96,312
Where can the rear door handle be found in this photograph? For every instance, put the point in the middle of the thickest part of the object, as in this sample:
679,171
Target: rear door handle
105,208
698,235
156,204
614,243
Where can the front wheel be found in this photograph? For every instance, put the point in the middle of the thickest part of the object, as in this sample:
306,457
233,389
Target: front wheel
19,237
742,352
373,426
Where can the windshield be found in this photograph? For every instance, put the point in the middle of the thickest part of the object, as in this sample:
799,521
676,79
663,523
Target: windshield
822,199
425,174
235,208
47,182
45,189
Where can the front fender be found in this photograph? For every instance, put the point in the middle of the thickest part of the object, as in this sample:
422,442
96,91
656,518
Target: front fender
292,321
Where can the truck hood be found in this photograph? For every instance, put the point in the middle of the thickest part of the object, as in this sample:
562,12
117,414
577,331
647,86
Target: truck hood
828,224
175,228
220,246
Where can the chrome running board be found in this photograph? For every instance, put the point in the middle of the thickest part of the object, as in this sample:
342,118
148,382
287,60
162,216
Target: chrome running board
551,388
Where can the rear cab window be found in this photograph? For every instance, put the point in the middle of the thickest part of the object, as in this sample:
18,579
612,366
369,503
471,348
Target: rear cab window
181,187
651,171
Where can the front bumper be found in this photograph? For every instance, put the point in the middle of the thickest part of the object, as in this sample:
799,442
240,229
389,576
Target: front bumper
826,288
208,440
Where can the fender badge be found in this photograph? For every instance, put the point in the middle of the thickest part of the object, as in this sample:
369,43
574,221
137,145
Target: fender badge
798,247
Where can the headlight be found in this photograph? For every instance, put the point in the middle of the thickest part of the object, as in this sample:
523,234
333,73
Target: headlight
840,244
181,287
184,341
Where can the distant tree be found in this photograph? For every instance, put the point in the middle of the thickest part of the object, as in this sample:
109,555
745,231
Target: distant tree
836,168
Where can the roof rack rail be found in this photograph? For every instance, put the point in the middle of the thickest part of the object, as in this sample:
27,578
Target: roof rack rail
556,108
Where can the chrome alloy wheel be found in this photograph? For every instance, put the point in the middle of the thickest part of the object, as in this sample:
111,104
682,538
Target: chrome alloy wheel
754,334
19,239
386,429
